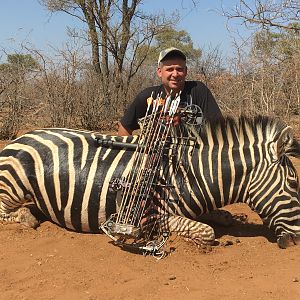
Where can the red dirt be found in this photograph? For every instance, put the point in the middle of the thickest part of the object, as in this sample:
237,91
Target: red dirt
53,263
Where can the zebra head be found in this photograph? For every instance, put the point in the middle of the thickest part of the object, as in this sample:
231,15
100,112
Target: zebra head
274,189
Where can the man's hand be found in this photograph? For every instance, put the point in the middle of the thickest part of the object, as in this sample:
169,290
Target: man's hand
122,131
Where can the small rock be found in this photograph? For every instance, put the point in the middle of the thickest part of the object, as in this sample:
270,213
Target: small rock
295,279
172,278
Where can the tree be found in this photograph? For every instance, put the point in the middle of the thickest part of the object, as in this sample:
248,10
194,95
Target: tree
268,74
117,31
13,75
279,46
18,66
168,37
283,14
277,60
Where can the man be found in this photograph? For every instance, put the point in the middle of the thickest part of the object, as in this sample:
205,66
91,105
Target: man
172,71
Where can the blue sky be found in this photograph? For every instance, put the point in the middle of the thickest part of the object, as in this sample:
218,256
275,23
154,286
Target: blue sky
27,21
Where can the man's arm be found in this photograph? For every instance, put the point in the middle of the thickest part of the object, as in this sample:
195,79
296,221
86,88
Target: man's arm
136,110
205,99
124,131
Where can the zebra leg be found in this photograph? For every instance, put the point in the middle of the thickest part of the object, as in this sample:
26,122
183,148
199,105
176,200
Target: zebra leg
13,214
202,234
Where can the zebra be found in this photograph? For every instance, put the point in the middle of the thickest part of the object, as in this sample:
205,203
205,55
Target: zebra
69,177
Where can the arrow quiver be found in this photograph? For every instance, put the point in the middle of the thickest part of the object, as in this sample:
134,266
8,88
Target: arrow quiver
158,128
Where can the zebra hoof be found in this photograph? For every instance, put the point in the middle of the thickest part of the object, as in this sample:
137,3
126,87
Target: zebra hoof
26,218
285,240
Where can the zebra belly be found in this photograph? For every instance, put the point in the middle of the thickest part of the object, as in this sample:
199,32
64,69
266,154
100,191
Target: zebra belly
85,201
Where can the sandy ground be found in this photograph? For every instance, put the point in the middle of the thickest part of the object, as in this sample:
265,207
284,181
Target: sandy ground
53,263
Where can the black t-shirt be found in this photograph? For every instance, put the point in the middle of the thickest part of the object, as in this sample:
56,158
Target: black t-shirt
194,92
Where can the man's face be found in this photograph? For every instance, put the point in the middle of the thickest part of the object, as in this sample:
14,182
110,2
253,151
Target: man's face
172,73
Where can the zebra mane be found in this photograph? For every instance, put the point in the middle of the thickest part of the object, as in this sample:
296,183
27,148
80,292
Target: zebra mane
266,127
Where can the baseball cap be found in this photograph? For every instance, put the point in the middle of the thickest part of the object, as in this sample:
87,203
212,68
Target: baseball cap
167,51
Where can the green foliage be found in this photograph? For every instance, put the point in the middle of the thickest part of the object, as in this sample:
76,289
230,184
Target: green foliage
280,46
170,37
25,61
19,62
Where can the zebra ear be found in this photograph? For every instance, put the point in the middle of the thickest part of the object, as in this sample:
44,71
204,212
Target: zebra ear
285,141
